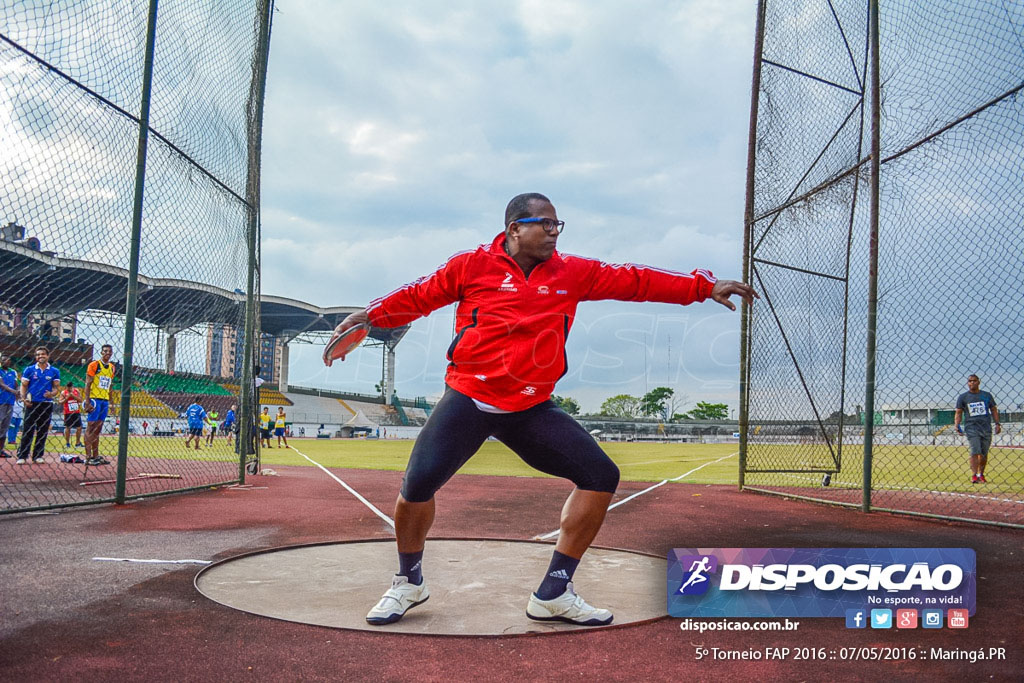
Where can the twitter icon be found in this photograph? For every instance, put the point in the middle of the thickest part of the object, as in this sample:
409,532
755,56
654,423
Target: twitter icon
881,618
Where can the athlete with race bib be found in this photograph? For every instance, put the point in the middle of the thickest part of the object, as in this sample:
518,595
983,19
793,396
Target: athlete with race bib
981,411
99,381
71,399
280,422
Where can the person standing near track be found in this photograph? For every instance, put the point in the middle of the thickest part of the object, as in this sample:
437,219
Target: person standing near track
265,427
99,381
229,427
981,411
517,299
40,384
17,418
71,400
8,397
196,416
212,420
280,423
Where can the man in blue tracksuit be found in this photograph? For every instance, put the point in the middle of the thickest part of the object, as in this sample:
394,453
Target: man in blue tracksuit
196,416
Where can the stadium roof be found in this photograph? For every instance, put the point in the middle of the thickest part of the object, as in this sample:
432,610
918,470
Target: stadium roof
41,281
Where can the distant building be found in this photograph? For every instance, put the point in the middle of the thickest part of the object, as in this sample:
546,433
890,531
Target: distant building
270,356
45,326
224,345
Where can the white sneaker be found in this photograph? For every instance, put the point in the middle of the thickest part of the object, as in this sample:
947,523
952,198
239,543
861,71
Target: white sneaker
567,607
21,461
400,598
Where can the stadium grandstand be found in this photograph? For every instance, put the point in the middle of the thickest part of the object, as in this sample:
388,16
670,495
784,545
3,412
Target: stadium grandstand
48,316
159,395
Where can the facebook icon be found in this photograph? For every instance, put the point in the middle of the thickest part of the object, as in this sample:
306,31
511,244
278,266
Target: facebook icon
856,618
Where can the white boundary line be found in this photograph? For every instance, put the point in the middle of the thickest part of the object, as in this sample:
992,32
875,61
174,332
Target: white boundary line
846,485
552,534
129,559
348,488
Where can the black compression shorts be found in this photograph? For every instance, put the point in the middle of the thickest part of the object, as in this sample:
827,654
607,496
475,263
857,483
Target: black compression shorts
544,437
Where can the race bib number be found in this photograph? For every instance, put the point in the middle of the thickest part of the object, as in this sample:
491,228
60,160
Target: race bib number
72,406
977,408
105,382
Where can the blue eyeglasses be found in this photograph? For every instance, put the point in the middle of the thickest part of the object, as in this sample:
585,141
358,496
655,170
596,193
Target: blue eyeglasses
549,225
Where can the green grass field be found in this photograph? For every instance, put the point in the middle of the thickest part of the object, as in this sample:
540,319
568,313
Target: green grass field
636,461
894,467
929,468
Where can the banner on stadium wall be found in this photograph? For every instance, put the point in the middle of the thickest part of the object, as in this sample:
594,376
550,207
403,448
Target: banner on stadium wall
817,582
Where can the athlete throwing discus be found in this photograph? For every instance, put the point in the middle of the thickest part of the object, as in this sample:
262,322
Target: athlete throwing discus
517,299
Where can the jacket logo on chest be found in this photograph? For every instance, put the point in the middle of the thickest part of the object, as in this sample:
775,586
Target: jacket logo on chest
543,289
506,285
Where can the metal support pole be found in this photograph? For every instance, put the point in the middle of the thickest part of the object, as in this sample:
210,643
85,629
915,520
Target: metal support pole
133,265
748,230
872,331
252,196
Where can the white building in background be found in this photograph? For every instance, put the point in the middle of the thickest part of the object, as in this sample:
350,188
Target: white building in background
914,412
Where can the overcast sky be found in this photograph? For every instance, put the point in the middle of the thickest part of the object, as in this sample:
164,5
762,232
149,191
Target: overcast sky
395,133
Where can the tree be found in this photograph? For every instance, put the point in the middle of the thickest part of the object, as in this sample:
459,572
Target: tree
709,411
654,402
566,403
622,405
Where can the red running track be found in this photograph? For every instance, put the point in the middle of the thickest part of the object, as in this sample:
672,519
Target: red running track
67,617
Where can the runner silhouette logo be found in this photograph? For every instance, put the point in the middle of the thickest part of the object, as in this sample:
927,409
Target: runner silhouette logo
697,578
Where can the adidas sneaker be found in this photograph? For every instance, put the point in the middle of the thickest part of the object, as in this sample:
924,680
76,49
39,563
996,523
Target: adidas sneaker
399,599
567,607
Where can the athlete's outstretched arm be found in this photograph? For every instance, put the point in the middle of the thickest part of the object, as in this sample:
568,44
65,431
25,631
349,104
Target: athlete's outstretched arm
634,282
411,301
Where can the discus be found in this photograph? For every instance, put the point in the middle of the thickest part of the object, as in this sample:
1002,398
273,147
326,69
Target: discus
345,343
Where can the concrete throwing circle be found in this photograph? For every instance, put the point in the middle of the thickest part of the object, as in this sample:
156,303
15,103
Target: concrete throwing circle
477,587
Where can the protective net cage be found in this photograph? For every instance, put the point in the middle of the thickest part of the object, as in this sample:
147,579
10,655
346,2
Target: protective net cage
73,100
950,251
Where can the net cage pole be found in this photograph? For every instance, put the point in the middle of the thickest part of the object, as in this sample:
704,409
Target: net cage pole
133,264
748,228
249,397
872,317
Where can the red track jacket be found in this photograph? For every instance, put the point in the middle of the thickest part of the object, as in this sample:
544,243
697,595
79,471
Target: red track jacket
509,349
